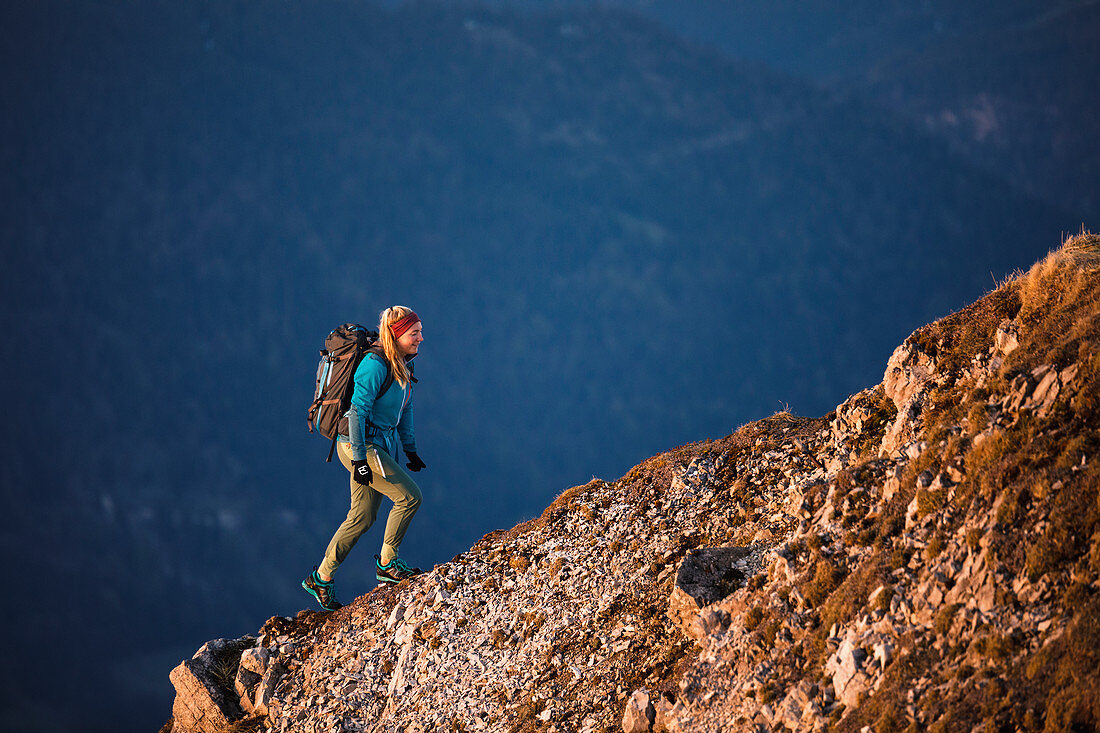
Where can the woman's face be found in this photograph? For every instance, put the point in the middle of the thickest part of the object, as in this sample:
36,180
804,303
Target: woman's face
409,342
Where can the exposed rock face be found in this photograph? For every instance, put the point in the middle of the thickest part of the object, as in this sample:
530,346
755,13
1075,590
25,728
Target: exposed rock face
852,417
908,370
906,380
857,572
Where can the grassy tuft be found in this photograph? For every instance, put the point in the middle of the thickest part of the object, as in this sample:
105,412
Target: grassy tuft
826,578
225,670
753,618
944,617
882,602
935,547
929,501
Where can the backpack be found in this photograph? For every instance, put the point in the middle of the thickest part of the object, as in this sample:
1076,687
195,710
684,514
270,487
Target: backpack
344,349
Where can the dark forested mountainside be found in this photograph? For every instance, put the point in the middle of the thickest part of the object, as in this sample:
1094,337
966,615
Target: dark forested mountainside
617,243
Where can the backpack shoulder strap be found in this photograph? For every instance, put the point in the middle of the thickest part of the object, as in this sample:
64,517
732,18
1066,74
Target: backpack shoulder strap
388,381
386,384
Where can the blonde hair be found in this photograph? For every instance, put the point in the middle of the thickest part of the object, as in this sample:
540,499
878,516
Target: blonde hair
398,368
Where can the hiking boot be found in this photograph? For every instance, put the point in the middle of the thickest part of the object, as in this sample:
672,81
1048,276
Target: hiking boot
324,592
395,572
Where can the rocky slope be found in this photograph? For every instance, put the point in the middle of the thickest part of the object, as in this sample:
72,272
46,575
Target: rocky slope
926,556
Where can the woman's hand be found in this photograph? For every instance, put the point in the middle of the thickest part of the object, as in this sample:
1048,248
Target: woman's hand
360,471
414,464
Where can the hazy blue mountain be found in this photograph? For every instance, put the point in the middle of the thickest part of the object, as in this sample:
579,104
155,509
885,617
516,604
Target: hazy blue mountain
617,242
1010,85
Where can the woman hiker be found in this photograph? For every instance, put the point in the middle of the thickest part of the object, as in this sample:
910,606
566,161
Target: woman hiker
370,454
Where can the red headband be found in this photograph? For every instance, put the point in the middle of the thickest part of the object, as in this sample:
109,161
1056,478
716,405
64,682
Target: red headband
404,324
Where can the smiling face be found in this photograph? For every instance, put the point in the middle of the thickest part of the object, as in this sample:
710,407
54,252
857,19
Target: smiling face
408,343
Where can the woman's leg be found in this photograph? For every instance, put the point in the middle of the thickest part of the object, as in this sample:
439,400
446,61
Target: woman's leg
364,508
405,494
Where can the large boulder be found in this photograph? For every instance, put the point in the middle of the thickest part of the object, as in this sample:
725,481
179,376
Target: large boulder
850,681
706,575
206,701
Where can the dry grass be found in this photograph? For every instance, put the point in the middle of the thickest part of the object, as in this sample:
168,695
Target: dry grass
935,547
1062,271
827,575
1064,675
224,670
753,618
956,339
249,724
499,639
1060,303
851,594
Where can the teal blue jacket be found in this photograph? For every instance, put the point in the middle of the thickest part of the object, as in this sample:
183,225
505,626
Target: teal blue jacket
379,421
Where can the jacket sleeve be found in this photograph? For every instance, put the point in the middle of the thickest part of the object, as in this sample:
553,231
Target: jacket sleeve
368,380
405,427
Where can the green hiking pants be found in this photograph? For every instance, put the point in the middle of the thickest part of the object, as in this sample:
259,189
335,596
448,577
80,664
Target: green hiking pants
365,500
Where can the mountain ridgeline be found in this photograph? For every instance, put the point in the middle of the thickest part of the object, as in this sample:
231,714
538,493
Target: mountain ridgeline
617,241
925,556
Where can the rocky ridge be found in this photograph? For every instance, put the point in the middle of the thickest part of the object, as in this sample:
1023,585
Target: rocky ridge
927,555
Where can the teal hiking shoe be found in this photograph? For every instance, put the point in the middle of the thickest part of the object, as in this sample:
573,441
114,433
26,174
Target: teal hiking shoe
325,593
394,572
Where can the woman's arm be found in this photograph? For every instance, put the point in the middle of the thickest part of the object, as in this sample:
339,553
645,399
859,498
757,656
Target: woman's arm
368,380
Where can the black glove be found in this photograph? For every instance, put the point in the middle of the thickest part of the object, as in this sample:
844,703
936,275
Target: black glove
360,471
414,464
